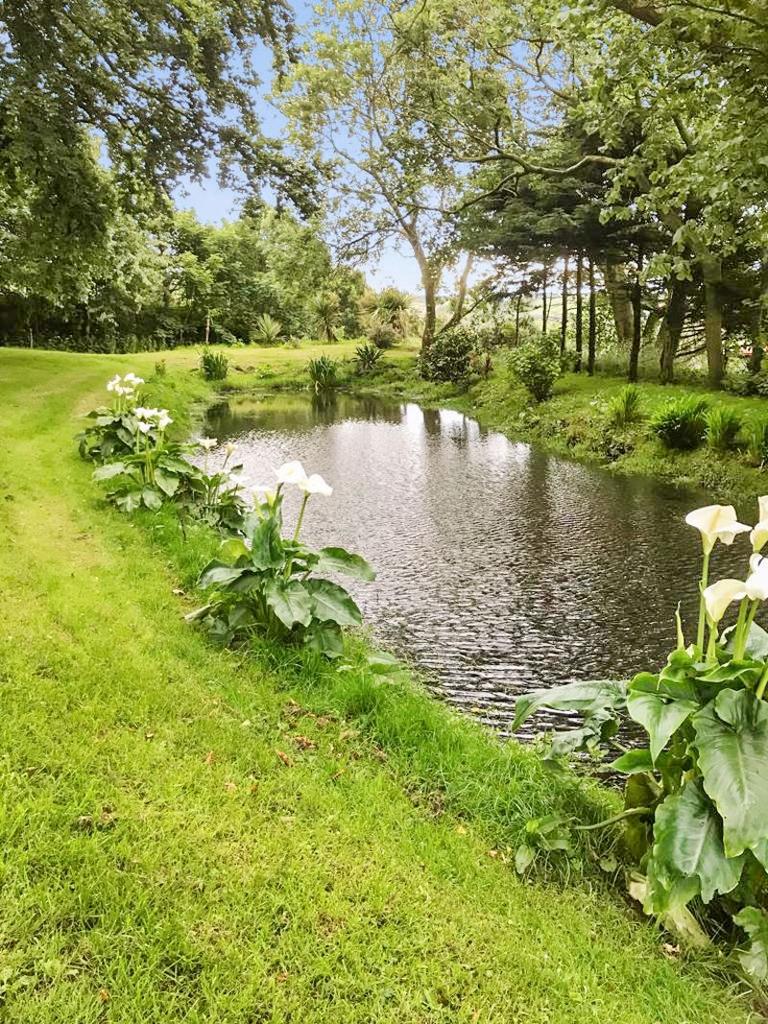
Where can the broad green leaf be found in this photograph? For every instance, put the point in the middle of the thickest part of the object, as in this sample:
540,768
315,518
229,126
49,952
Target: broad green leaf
112,469
633,761
152,498
589,696
676,684
732,741
344,562
290,601
688,845
217,573
167,482
757,642
382,663
524,856
660,717
232,549
754,960
267,545
129,502
331,603
326,638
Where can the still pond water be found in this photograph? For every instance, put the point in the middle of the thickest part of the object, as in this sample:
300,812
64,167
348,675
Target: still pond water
500,568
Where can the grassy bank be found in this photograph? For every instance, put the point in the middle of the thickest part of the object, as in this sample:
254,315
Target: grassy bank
191,834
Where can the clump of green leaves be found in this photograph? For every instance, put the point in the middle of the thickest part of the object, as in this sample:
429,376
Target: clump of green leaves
448,357
367,357
323,373
536,365
624,407
268,330
757,441
113,430
695,803
681,423
723,426
277,587
213,365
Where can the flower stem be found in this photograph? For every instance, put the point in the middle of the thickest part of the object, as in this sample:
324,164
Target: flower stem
740,633
702,606
300,520
762,684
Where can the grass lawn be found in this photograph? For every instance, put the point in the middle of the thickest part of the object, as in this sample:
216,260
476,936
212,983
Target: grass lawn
200,836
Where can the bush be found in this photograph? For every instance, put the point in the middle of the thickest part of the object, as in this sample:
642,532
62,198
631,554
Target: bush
268,330
624,407
723,426
323,373
536,365
681,423
383,335
213,365
448,358
368,357
757,440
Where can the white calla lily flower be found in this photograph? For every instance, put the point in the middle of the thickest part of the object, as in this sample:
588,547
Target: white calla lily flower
716,522
163,419
292,473
230,449
315,484
114,384
720,595
759,534
207,443
756,585
133,380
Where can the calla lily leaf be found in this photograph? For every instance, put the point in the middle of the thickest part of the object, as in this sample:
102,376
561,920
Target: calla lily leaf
344,562
757,642
633,761
754,960
326,638
688,846
331,603
732,741
112,469
660,718
219,573
152,498
167,482
585,697
291,602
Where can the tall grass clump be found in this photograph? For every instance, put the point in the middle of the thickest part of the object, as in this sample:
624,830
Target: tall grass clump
624,407
723,426
757,441
323,373
213,365
682,423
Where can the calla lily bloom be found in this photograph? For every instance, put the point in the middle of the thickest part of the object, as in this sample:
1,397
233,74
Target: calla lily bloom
292,473
720,595
207,443
316,485
756,585
163,419
230,448
716,522
759,535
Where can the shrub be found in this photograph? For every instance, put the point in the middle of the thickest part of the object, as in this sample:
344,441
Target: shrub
383,335
448,358
323,373
368,357
624,407
213,365
757,441
536,365
268,330
723,426
161,370
681,423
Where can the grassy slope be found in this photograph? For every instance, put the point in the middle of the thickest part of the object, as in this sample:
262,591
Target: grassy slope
160,862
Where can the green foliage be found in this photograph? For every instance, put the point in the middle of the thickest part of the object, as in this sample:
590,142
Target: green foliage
448,357
723,426
682,423
695,806
368,358
213,365
757,441
536,365
274,586
383,335
323,373
268,330
624,407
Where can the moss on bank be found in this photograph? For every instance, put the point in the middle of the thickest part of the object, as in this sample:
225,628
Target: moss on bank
200,835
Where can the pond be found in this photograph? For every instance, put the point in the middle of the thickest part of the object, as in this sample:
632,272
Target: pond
500,568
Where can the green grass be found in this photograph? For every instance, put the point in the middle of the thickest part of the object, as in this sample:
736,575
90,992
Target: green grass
194,835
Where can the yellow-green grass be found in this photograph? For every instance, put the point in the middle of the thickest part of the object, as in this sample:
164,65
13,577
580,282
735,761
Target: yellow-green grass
188,834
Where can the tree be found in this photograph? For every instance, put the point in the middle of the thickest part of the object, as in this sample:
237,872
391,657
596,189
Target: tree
353,101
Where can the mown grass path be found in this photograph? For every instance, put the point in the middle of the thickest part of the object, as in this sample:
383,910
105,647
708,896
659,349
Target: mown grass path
181,841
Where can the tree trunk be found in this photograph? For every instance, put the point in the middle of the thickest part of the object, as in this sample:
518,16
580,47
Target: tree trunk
619,298
564,308
592,334
430,310
544,310
713,331
637,321
671,329
758,328
579,311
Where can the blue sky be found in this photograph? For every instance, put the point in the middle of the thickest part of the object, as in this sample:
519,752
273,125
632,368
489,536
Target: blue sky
212,204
